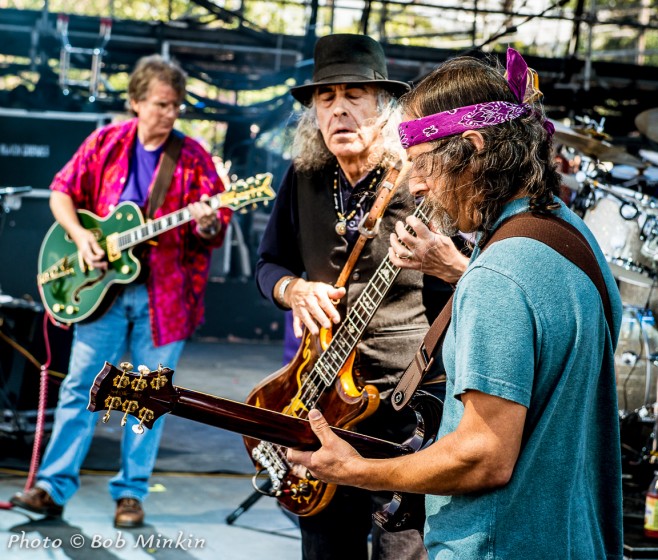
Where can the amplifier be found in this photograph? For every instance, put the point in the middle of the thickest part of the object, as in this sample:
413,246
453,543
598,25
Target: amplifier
22,351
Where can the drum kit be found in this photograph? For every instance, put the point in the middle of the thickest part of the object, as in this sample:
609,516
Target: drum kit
616,194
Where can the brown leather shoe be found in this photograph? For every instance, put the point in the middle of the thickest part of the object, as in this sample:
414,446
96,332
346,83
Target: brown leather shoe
129,513
37,500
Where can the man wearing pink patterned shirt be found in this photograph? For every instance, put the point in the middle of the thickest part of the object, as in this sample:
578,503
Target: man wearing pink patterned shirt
150,318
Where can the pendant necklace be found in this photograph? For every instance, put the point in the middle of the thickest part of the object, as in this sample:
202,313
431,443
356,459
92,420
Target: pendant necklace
341,224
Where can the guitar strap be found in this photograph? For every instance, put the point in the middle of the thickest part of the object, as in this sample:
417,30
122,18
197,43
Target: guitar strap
550,230
165,173
369,226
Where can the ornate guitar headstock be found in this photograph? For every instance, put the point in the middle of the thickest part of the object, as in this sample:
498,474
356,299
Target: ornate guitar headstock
147,395
247,191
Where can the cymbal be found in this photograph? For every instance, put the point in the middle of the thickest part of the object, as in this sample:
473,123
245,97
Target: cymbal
619,156
648,155
647,123
592,147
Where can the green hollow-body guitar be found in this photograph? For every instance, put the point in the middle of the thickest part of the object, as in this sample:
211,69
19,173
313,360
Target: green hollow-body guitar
72,292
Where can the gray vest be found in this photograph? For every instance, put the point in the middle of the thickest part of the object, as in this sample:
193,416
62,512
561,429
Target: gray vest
399,325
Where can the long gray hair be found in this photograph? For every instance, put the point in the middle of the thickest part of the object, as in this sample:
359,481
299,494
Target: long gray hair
310,153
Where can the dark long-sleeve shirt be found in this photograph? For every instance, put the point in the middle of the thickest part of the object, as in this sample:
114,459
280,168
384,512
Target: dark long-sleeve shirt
278,255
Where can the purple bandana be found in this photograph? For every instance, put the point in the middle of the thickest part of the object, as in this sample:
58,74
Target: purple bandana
456,121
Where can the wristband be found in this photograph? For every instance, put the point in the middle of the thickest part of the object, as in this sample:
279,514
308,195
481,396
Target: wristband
212,230
282,289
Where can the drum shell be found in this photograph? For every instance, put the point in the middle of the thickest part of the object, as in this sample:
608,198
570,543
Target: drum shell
651,175
621,239
635,368
619,174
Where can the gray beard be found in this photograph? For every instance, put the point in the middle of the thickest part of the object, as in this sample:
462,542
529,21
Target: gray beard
441,220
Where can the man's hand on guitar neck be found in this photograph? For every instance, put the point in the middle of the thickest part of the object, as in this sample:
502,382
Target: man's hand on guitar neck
312,304
205,217
428,251
336,462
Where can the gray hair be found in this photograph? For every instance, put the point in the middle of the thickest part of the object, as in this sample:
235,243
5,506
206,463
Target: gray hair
310,153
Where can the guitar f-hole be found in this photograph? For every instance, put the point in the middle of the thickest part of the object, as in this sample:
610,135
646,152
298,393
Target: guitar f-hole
75,296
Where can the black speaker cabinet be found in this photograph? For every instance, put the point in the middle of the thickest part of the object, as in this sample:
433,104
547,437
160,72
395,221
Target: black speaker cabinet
22,350
21,232
33,147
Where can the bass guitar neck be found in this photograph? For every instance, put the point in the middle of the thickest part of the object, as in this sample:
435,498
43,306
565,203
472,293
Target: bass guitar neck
321,376
148,395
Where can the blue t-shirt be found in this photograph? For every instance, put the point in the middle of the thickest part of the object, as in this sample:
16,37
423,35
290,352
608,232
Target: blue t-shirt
531,329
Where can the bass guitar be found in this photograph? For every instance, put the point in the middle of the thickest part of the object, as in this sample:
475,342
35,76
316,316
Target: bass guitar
320,376
72,292
147,395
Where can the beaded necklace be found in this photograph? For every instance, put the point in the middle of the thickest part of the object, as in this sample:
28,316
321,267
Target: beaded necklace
341,224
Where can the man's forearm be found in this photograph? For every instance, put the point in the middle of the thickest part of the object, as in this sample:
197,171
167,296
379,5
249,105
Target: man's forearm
64,211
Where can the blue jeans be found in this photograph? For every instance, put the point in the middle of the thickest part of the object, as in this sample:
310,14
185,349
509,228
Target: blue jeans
124,327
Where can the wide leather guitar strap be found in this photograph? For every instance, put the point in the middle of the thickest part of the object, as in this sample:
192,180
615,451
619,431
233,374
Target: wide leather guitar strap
369,226
550,230
165,173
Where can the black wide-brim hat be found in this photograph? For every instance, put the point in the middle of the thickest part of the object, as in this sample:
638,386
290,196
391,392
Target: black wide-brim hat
346,58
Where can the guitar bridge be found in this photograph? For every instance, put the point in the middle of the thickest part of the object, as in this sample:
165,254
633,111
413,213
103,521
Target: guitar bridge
112,247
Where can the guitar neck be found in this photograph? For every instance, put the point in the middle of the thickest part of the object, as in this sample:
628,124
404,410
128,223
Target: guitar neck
267,425
153,228
353,326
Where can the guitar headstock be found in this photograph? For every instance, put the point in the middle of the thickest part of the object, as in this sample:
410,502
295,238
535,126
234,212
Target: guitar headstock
145,394
249,191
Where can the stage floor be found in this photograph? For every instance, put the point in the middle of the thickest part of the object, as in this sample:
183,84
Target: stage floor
202,476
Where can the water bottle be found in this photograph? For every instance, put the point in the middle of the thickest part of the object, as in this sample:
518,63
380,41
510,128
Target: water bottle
651,509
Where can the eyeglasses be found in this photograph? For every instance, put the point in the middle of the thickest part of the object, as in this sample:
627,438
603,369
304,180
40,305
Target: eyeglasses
163,106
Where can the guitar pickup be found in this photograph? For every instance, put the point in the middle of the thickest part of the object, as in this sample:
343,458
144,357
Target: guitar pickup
112,247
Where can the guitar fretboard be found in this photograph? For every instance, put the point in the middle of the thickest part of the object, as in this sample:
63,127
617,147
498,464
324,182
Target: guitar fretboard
351,329
149,230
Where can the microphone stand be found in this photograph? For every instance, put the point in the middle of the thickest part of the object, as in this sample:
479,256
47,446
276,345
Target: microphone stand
249,501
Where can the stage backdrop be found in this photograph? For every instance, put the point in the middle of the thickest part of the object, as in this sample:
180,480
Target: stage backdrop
35,145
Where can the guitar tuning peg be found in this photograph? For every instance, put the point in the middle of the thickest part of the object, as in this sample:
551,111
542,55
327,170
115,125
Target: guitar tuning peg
143,370
243,211
158,382
138,429
111,403
126,366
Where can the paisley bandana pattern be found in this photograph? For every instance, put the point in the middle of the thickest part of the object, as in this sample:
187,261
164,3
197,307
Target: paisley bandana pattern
459,120
480,115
